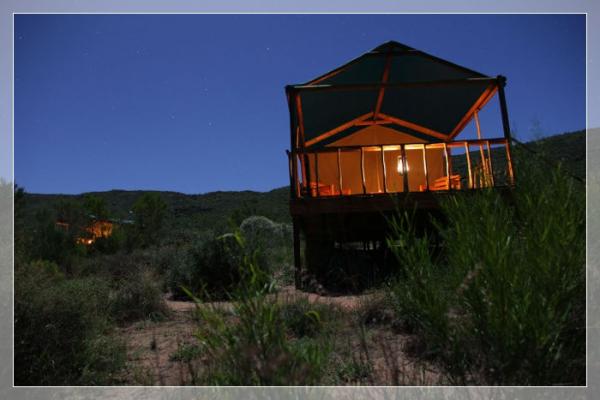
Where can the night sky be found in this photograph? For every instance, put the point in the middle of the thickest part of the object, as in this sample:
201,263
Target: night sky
196,103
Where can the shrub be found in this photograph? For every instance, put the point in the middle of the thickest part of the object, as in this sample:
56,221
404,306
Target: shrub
215,268
47,242
508,301
110,244
62,329
253,347
304,319
271,240
137,297
211,269
419,291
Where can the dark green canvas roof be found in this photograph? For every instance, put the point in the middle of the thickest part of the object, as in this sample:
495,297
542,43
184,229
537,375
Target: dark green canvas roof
416,93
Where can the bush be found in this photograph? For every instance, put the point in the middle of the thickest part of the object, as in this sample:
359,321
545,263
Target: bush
271,240
138,297
304,319
253,347
215,268
508,302
210,270
110,244
62,329
47,242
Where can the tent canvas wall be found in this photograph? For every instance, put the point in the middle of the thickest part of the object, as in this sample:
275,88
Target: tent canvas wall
389,96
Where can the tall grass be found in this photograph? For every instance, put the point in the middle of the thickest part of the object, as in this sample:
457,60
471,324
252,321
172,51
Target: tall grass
254,345
506,304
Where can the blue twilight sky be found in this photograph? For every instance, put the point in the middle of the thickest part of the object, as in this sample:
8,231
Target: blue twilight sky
196,103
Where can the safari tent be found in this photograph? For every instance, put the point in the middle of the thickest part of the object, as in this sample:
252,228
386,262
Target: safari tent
384,126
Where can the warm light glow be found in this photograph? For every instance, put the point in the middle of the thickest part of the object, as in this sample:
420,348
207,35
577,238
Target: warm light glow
400,166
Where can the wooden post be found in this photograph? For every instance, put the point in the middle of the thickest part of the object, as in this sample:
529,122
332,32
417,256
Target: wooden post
477,125
383,169
362,169
425,167
509,164
339,165
483,162
405,186
503,108
491,170
469,165
291,172
293,142
297,259
317,172
447,164
505,123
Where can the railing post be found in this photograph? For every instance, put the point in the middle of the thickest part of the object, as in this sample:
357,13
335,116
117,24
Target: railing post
509,163
469,165
487,142
383,169
339,165
317,172
405,186
447,165
362,169
425,167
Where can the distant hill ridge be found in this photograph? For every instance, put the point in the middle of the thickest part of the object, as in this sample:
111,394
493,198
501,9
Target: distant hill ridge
212,210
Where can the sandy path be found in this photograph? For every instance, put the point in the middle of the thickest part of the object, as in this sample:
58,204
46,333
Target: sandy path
150,345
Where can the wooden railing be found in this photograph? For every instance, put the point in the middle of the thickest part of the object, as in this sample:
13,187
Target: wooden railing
305,180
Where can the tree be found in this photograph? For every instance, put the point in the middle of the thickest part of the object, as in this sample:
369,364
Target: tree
149,212
95,206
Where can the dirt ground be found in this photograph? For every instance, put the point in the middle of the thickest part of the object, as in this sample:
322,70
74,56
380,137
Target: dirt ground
389,353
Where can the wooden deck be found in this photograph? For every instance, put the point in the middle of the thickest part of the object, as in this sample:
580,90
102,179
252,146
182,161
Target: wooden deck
365,203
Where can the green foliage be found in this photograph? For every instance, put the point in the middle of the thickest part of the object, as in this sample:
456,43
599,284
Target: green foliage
49,242
255,349
508,301
186,352
110,244
96,206
214,268
138,297
62,334
420,292
211,270
304,319
240,214
270,240
149,211
73,213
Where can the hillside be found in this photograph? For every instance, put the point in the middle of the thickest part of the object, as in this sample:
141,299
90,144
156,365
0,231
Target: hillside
197,212
211,211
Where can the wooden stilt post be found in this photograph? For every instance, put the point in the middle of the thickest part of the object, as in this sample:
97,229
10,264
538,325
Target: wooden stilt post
505,124
297,259
317,172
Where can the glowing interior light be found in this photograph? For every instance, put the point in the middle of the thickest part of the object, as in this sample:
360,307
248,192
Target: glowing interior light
400,166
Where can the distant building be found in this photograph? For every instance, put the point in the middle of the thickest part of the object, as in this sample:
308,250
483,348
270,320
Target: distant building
96,228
